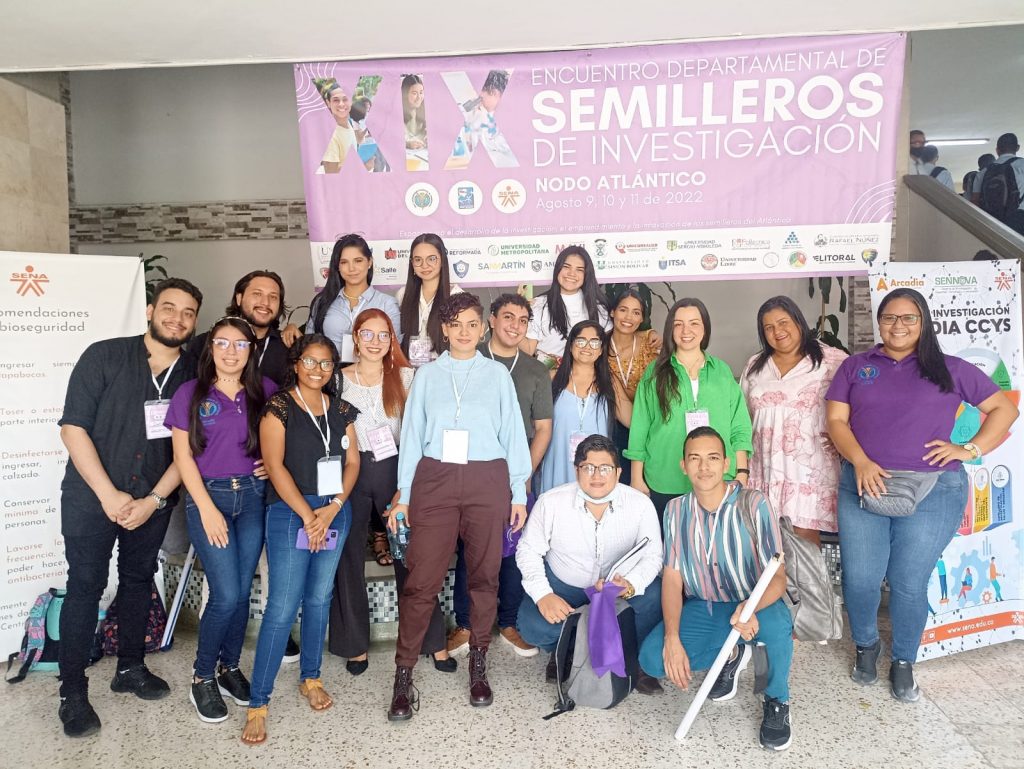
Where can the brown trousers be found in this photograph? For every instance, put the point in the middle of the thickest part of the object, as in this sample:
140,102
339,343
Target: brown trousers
449,501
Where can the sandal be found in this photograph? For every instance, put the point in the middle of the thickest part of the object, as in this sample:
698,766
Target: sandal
251,715
381,549
311,685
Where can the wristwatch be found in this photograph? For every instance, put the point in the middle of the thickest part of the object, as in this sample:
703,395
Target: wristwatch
161,502
975,451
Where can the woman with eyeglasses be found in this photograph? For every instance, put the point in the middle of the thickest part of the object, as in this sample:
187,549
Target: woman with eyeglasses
585,402
463,465
890,414
214,422
378,385
426,288
686,388
309,448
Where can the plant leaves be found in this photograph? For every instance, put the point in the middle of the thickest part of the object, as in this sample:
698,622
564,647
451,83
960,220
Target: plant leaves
810,287
825,284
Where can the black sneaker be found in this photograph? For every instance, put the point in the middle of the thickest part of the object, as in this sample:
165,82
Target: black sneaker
209,704
729,679
901,678
865,670
139,681
291,650
775,733
551,670
233,684
78,716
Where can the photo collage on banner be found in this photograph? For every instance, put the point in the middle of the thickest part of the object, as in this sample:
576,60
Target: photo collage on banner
51,308
718,160
976,592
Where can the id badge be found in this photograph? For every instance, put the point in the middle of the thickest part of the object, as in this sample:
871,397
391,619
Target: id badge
420,350
348,349
455,447
575,439
695,419
328,476
382,442
156,413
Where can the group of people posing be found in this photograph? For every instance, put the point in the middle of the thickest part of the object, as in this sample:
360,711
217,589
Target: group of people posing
465,424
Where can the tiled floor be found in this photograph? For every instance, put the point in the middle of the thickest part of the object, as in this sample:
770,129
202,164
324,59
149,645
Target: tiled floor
971,715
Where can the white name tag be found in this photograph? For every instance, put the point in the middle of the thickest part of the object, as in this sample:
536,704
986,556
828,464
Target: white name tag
328,476
382,442
575,439
348,349
156,413
420,350
695,419
455,447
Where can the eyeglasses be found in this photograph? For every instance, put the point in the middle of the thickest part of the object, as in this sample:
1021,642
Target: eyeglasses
890,320
603,470
419,261
222,344
311,363
367,336
595,344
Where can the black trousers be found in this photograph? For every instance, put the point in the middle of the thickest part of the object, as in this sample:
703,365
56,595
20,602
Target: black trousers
88,558
349,629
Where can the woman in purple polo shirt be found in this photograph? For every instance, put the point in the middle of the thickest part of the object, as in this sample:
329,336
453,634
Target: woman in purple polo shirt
892,409
214,430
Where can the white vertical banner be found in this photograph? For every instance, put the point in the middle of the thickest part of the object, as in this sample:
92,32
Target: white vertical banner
52,306
975,591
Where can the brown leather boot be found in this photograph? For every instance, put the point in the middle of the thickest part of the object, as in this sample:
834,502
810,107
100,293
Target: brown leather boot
405,697
479,690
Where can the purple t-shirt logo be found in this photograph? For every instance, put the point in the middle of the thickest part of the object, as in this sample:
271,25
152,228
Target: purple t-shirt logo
208,408
867,374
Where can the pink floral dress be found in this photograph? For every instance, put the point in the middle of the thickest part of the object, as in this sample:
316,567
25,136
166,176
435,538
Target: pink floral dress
794,462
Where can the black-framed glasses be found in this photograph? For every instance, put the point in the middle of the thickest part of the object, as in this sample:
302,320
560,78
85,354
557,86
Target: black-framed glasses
311,363
367,336
222,344
889,319
594,344
603,470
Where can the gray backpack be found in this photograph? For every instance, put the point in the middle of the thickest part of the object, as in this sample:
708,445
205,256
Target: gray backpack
577,682
815,607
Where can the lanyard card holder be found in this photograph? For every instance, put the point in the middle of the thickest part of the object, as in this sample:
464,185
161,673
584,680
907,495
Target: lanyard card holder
697,418
455,447
382,442
421,351
155,414
328,476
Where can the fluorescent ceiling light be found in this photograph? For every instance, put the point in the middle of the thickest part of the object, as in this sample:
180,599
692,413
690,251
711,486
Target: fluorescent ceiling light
957,142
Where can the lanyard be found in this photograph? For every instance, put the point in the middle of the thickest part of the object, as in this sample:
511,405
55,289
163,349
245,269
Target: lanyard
618,361
266,344
316,422
714,527
458,395
424,313
581,403
514,360
160,386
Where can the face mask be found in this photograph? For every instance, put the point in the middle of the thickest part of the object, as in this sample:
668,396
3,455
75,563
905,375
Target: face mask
599,500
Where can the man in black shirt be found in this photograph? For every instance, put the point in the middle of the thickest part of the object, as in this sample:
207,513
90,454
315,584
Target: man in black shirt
117,488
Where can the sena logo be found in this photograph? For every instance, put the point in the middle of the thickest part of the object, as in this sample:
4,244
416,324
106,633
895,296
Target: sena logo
30,280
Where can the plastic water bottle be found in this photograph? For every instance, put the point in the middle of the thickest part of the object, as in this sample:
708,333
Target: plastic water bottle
399,539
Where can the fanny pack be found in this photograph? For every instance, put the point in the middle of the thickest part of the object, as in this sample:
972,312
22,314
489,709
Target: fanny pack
903,493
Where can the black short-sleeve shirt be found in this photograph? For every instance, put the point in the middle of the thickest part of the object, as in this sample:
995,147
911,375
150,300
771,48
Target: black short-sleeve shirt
106,396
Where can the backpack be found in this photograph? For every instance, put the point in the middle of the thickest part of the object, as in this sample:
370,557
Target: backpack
817,615
577,682
936,171
969,178
41,641
1000,195
156,622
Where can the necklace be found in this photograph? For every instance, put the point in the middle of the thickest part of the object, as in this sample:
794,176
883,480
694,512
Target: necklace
229,381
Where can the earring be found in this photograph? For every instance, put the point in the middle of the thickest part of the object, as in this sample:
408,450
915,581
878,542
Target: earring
445,337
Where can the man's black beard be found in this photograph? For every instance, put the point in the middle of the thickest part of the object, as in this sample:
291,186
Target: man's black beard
255,323
916,151
166,341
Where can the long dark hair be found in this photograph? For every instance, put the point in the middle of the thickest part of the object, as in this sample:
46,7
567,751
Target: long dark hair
602,372
809,344
243,283
592,297
334,285
408,113
207,376
296,352
931,363
410,311
666,381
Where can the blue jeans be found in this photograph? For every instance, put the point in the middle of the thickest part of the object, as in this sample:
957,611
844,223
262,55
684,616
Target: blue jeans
538,631
703,628
229,569
903,550
297,578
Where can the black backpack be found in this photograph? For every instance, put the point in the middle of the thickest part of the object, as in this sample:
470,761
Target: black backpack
936,171
1000,195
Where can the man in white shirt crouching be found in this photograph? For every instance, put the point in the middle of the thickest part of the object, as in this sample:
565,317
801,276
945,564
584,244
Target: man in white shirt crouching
574,535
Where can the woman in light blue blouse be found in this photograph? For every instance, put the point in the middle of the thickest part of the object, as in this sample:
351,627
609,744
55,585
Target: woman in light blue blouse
461,473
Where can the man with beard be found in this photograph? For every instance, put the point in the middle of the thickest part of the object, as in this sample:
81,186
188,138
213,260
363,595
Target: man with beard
258,298
119,487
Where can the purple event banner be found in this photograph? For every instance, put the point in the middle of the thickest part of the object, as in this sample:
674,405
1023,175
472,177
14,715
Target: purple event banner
741,158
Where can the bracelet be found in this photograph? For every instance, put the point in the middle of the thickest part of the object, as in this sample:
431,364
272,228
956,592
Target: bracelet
338,501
